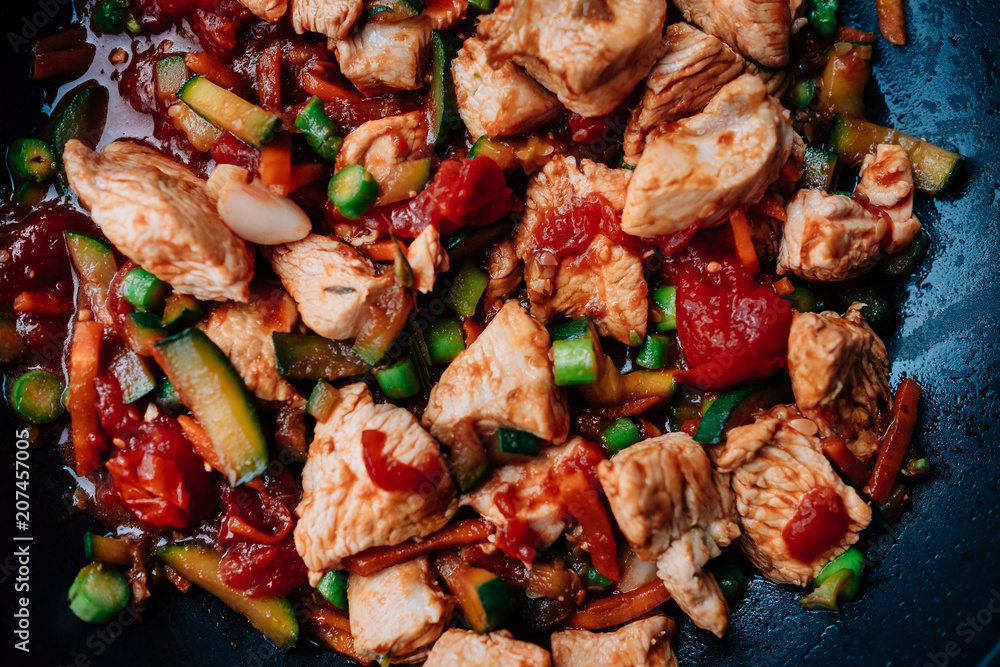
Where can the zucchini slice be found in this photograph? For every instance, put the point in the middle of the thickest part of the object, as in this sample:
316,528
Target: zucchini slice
735,407
817,169
485,600
197,563
312,357
228,111
171,73
933,167
445,121
211,388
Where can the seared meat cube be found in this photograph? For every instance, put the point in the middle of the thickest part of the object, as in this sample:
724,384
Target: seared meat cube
160,216
243,332
528,487
591,55
498,102
332,18
503,379
694,68
886,179
840,377
605,281
828,237
343,512
397,611
695,171
642,643
461,648
505,272
674,508
269,10
759,29
334,286
789,479
385,142
427,258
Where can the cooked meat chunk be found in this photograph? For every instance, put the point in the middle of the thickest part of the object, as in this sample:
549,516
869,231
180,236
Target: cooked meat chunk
840,377
828,237
498,102
886,179
605,281
788,473
397,610
461,648
243,332
332,18
696,170
333,285
694,68
387,56
591,55
162,220
674,508
505,272
642,643
759,29
503,379
269,10
385,142
427,258
343,511
528,486
127,154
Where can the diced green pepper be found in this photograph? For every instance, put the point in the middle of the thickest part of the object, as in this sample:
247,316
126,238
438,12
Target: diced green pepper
319,131
109,16
444,340
802,299
578,328
144,290
466,291
98,593
31,194
37,396
32,160
800,93
917,467
837,582
574,361
353,191
823,16
622,433
905,261
730,578
654,351
12,346
595,580
333,586
167,396
513,441
483,6
400,380
665,308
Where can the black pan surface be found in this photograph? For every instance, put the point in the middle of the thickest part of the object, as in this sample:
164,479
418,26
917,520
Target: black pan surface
931,593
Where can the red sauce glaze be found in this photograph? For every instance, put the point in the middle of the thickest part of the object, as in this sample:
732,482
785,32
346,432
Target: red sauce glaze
157,474
731,327
820,523
230,150
516,539
587,130
263,570
390,474
463,193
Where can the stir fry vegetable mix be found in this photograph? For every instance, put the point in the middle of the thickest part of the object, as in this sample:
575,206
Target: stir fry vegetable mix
502,306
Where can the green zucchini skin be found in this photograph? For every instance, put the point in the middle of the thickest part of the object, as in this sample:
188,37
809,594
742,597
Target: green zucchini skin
228,111
734,408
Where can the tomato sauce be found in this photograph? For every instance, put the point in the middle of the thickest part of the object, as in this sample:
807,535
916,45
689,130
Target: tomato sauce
819,524
390,474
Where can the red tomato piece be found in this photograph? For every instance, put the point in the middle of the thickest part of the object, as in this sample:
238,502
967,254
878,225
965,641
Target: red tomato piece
391,475
587,130
819,524
263,570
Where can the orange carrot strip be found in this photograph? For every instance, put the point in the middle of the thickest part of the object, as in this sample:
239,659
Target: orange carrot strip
276,164
471,329
315,84
845,460
744,243
891,21
460,533
772,207
790,172
200,441
896,441
379,251
629,408
846,33
301,176
783,287
88,439
43,304
618,609
333,631
269,78
209,67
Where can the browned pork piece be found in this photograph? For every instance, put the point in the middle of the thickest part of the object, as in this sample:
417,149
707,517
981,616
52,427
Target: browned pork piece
840,377
427,258
886,179
674,508
695,171
527,486
503,379
243,332
343,512
333,285
269,10
498,102
159,215
380,144
642,643
332,18
605,281
505,273
461,648
828,237
397,611
759,29
590,54
779,470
